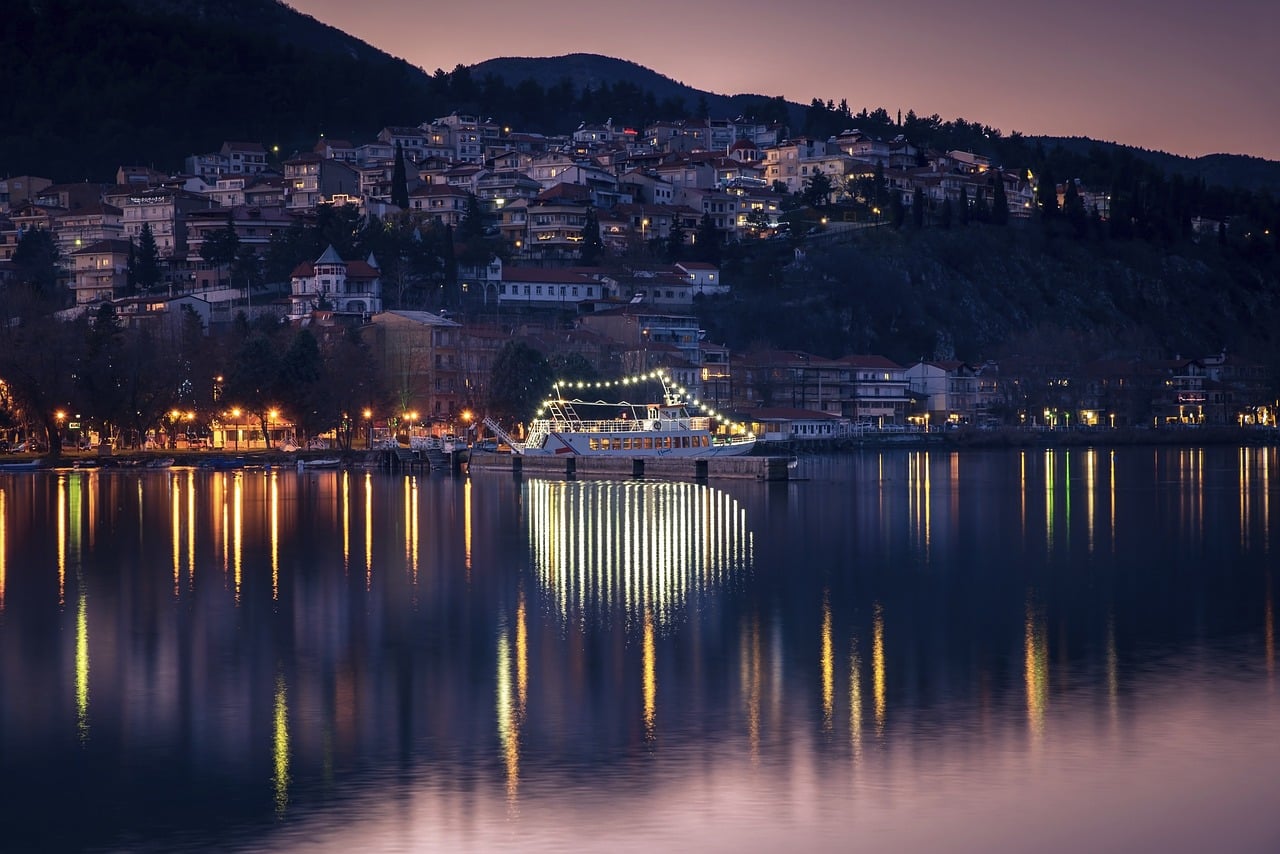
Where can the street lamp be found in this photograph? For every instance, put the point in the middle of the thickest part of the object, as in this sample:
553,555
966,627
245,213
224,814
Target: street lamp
60,417
368,428
271,418
235,415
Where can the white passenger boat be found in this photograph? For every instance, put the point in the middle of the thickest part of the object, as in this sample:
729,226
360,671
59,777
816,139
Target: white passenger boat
623,429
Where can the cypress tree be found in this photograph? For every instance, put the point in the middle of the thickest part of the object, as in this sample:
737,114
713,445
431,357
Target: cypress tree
1000,202
399,183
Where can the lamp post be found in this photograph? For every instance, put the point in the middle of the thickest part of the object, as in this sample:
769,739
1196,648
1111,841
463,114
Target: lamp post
368,429
61,418
235,415
271,418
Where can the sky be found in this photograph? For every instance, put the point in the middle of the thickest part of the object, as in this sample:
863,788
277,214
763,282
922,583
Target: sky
1182,76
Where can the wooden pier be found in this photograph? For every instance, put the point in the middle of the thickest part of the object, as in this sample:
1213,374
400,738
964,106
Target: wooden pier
661,468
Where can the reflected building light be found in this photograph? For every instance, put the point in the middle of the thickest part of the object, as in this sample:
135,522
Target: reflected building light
1266,456
237,531
522,658
62,540
92,497
650,681
280,746
1244,467
191,529
275,536
466,526
82,659
1035,668
368,531
508,722
878,666
827,664
1113,501
855,701
642,548
175,531
1090,484
1022,491
4,548
1048,500
346,523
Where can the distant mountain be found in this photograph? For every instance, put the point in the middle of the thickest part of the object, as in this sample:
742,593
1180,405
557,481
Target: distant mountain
594,71
1223,170
91,86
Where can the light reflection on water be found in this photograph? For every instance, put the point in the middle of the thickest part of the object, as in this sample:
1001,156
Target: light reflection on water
916,650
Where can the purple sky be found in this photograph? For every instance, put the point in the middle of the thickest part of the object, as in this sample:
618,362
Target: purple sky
1182,76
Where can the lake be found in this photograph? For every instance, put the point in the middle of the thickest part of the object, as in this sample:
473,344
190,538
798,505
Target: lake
897,651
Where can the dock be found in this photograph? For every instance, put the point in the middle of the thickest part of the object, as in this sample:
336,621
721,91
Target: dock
572,466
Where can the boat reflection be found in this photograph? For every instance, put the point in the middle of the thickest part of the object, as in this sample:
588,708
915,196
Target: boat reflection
604,547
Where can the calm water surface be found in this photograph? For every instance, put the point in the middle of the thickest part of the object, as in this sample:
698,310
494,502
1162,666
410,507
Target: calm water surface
904,651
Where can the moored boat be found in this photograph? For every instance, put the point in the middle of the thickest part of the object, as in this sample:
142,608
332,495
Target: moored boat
622,429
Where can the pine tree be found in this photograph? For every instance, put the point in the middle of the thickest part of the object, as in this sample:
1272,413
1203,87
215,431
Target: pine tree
399,183
917,208
1000,205
147,261
964,205
592,248
707,243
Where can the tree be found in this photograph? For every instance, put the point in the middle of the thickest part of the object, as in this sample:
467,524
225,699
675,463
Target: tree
98,377
35,259
146,261
301,385
917,208
964,205
1000,202
817,189
592,247
399,181
944,218
897,213
1073,209
220,246
1047,195
675,242
707,243
519,382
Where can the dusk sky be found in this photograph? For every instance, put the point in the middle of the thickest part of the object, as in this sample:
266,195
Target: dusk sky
1180,76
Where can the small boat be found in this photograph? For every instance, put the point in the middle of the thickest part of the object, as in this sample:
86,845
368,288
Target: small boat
25,465
622,429
159,463
320,463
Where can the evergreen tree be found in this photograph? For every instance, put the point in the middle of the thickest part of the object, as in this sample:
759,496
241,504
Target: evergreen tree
399,181
675,242
944,218
146,269
220,247
981,211
35,259
917,208
592,247
707,243
1000,203
1073,209
964,205
518,382
897,213
1047,195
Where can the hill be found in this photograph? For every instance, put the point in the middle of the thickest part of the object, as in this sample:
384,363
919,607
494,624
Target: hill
588,70
92,86
982,292
1221,170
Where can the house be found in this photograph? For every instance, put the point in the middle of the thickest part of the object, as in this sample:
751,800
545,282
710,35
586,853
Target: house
439,203
949,390
330,283
311,180
99,270
560,288
799,426
421,357
80,228
253,226
874,391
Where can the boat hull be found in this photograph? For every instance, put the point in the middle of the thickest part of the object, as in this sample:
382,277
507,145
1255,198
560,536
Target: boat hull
638,444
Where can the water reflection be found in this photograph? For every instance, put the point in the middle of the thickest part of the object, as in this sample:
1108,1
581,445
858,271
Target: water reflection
640,548
867,651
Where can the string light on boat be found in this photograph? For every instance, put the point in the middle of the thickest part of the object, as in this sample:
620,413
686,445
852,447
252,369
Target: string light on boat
659,376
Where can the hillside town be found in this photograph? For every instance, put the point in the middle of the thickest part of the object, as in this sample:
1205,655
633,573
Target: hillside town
578,231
